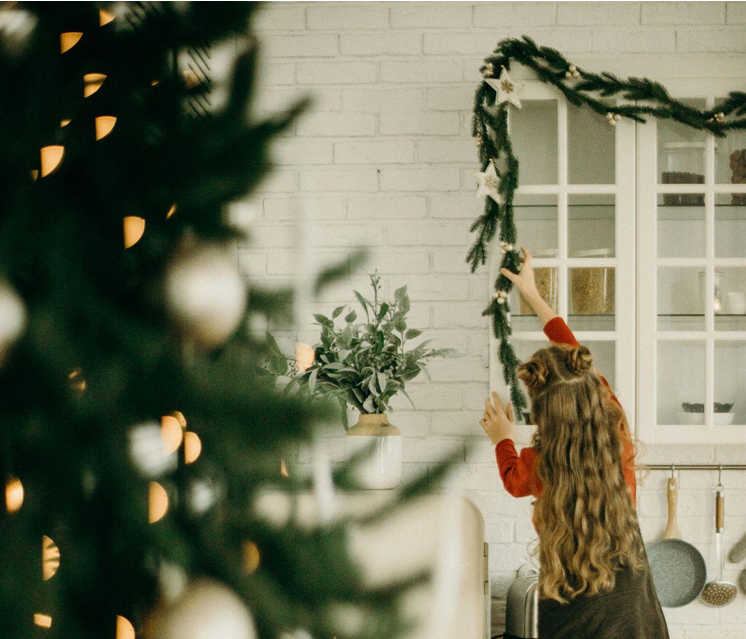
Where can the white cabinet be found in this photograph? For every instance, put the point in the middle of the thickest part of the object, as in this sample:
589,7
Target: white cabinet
639,235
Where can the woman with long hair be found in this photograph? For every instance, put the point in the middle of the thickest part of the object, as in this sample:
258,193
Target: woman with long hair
594,579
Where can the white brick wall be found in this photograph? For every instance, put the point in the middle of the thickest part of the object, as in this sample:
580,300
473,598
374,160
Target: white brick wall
384,160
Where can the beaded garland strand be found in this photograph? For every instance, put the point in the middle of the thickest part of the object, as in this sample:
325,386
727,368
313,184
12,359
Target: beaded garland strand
580,88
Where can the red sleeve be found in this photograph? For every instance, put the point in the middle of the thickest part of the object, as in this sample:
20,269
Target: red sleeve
516,471
559,332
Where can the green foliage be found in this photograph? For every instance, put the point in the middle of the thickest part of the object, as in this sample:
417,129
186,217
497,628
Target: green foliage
364,364
490,125
93,306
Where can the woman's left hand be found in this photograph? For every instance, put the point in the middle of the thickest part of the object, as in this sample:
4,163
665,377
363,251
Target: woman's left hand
497,422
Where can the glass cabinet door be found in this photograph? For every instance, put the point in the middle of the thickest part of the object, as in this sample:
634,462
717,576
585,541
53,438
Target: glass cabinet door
575,211
691,279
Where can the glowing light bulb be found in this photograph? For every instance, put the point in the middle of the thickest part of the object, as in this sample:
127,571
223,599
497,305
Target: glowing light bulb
105,17
125,630
284,468
92,82
134,227
192,447
13,495
171,211
172,434
64,123
191,79
69,39
104,125
157,501
180,417
77,381
43,621
251,557
50,558
51,156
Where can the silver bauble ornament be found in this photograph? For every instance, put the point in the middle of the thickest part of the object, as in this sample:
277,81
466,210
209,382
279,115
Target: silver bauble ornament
147,450
12,317
205,294
206,610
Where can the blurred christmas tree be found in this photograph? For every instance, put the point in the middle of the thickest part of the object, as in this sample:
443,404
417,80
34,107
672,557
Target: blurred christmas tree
136,432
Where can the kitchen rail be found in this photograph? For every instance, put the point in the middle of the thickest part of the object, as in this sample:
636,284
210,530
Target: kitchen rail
672,467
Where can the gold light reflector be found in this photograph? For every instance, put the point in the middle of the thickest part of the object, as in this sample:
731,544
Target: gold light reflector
172,433
69,39
50,558
43,621
104,18
92,83
158,502
51,157
13,495
192,447
251,557
134,227
125,630
104,125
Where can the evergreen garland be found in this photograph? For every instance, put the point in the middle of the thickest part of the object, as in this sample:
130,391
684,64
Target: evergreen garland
580,88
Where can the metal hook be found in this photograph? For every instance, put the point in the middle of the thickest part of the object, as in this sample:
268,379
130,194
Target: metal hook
673,468
720,476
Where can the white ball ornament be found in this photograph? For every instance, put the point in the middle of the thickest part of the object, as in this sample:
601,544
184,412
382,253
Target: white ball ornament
206,610
205,294
147,451
12,317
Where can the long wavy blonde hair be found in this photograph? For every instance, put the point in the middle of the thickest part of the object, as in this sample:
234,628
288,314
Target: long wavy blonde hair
588,524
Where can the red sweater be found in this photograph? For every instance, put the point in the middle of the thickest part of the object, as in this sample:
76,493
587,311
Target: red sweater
518,472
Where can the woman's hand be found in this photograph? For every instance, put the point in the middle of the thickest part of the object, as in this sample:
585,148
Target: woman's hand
525,281
497,422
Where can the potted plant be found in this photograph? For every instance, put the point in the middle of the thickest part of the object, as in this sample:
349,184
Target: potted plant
364,364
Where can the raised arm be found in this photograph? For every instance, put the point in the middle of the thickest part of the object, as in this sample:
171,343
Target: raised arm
525,282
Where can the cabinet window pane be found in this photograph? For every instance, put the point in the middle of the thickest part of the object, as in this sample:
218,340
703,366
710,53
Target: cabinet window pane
730,381
533,130
681,151
730,225
591,222
522,315
592,298
681,225
681,299
730,157
730,299
536,223
681,380
590,146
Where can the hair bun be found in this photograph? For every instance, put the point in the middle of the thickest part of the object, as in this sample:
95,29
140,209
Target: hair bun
533,373
579,360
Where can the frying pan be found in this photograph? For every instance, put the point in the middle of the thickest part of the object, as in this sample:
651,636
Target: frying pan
678,568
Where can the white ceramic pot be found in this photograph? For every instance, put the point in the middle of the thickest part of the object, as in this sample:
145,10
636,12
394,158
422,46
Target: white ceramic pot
382,469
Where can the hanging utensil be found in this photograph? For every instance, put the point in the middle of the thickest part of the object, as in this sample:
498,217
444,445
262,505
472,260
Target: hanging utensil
719,593
678,568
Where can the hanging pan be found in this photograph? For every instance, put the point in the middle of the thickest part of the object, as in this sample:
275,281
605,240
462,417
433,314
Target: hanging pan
678,568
